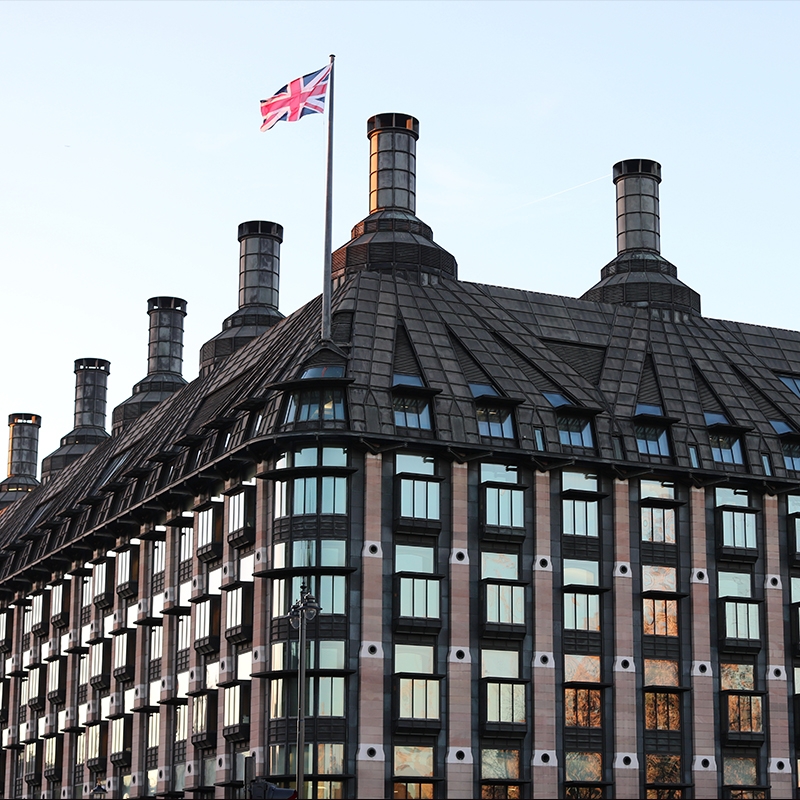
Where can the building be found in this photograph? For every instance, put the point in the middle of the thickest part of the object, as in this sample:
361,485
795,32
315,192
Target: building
554,540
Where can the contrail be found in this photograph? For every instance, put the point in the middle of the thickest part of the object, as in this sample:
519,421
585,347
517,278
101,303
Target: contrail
563,191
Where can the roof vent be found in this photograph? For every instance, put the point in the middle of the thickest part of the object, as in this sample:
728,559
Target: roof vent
23,457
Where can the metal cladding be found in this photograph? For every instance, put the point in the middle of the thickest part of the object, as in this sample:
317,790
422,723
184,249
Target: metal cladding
392,162
165,353
640,275
392,238
259,278
23,456
164,362
91,387
638,224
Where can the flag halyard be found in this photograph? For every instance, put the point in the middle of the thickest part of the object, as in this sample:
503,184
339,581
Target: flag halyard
299,97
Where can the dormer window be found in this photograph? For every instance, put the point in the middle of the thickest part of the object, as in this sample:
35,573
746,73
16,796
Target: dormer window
649,409
315,405
483,390
323,371
412,412
724,439
790,443
400,379
651,434
574,423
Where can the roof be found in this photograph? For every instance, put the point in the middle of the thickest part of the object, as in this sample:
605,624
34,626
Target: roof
603,358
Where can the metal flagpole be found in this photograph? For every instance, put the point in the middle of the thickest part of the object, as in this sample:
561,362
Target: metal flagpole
326,288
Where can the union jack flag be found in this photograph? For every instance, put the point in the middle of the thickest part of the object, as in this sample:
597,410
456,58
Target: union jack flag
302,96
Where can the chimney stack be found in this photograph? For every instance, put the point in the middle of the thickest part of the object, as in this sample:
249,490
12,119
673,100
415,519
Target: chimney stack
164,362
638,224
640,276
392,238
392,162
91,384
23,455
259,276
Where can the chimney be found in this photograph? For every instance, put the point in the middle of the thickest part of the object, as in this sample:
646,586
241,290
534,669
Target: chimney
91,384
392,162
164,362
638,224
640,276
23,455
259,275
392,238
165,353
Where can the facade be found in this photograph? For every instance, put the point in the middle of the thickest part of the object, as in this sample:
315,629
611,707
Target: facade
554,540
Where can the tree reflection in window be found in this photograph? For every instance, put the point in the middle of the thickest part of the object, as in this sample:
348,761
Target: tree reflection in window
584,767
581,669
662,711
582,708
661,672
499,765
739,771
660,617
661,768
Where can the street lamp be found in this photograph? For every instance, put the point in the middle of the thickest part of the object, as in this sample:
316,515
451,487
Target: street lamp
304,609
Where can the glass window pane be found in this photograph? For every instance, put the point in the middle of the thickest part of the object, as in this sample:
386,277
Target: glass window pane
499,664
734,584
413,761
409,558
413,658
657,578
581,669
584,767
500,565
659,672
579,572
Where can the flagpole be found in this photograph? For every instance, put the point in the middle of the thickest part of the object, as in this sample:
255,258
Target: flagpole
326,287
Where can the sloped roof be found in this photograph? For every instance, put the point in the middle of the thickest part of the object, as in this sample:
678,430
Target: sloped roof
598,355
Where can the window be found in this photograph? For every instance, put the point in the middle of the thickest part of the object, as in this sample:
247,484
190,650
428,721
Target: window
494,422
419,698
209,526
726,448
662,711
238,516
504,506
739,771
581,611
504,603
412,412
574,431
236,702
581,669
660,617
581,573
658,524
582,708
659,579
505,701
660,768
583,767
741,617
419,597
315,405
661,672
649,409
579,515
791,455
500,765
651,440
792,383
419,498
324,495
744,708
409,764
323,371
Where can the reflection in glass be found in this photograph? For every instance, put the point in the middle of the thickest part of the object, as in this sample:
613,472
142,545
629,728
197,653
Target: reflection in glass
581,669
662,768
419,698
581,611
499,664
505,702
505,604
410,760
413,658
582,708
662,711
736,677
660,617
734,584
583,481
500,565
739,771
412,412
499,765
505,507
581,573
658,525
584,766
498,473
663,579
738,529
579,517
744,713
660,672
660,489
497,423
413,559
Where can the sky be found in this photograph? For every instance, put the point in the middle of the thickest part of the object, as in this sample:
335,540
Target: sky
131,151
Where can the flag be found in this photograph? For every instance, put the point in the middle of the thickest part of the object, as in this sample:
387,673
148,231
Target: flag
302,96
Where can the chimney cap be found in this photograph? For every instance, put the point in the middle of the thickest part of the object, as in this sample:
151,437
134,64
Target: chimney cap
637,166
166,303
261,228
28,419
393,121
93,363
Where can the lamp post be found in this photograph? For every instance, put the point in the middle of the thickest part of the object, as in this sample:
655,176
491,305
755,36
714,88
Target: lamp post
304,609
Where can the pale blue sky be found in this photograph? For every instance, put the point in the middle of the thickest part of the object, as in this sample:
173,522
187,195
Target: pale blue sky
130,152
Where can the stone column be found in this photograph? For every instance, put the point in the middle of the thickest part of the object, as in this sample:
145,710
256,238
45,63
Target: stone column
370,757
544,769
704,730
626,708
459,760
779,764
